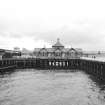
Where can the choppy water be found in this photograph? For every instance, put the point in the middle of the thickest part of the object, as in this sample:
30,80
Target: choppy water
33,87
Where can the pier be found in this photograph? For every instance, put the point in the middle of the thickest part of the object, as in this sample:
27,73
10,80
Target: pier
56,58
96,68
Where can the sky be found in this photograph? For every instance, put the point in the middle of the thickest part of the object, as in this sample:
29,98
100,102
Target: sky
38,23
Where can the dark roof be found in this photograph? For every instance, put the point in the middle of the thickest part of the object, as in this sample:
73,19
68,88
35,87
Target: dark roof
72,49
58,44
2,50
53,50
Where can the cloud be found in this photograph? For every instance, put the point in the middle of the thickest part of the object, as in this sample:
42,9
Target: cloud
30,23
81,37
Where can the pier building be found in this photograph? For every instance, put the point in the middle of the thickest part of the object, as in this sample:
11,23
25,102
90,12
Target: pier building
58,50
9,54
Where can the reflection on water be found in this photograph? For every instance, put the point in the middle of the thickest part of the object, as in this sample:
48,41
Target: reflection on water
33,87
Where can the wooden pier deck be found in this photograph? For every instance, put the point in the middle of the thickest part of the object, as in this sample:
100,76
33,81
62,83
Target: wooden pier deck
93,67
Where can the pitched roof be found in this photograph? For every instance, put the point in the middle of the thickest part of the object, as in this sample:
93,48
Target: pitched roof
72,49
58,44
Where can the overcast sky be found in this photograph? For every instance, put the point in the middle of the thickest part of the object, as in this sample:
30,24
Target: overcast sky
38,23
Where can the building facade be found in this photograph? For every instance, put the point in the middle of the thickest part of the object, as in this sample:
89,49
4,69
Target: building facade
58,51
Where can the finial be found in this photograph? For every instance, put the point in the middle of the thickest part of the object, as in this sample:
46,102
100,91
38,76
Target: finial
58,39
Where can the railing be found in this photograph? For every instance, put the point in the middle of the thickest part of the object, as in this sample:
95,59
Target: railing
93,67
